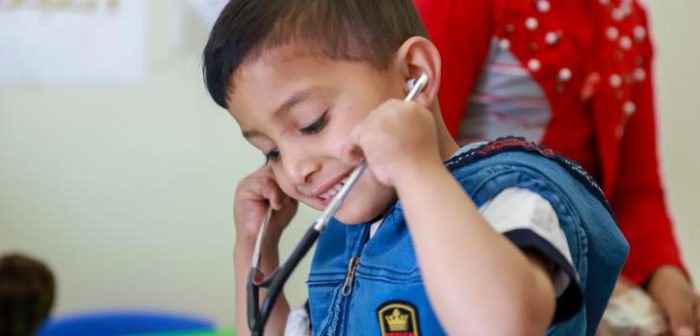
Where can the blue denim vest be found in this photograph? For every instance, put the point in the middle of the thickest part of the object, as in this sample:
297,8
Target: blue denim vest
353,277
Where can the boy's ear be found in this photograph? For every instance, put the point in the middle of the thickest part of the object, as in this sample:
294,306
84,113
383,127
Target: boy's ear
416,56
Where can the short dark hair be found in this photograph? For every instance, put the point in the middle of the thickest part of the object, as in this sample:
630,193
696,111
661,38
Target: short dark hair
351,30
27,290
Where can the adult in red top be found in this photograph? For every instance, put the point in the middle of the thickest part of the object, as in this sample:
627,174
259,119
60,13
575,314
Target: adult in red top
582,69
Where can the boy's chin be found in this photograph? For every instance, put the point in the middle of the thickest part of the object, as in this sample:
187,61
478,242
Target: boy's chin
348,216
351,216
353,219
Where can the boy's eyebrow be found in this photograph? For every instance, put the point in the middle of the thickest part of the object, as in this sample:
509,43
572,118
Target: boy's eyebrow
296,98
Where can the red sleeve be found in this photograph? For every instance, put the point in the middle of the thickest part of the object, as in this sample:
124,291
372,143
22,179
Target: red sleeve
461,30
638,200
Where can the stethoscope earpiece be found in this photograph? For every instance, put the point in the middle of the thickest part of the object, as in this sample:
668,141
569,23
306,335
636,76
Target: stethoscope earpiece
422,80
410,84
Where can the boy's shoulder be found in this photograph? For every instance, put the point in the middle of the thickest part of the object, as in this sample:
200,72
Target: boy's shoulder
479,151
518,151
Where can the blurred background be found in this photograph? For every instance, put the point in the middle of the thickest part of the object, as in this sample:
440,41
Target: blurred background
118,170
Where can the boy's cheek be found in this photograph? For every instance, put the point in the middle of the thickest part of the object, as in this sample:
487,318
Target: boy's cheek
288,188
290,191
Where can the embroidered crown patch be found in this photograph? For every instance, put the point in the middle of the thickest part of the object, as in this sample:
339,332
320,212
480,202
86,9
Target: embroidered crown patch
398,318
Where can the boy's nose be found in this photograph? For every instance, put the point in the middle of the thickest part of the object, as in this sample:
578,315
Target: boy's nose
300,169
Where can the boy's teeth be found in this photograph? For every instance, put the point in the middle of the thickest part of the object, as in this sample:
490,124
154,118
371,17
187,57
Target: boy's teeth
332,191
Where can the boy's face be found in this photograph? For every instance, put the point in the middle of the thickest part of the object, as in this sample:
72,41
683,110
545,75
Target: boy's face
299,110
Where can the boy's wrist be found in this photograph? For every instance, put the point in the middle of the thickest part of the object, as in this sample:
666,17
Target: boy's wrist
246,245
243,254
248,237
410,173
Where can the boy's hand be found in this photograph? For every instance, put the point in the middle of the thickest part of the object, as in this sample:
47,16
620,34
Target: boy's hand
394,137
254,194
673,292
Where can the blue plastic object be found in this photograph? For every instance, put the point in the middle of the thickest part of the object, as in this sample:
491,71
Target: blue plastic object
118,323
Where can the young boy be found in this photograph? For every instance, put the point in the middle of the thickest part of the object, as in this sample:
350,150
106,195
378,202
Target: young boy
505,238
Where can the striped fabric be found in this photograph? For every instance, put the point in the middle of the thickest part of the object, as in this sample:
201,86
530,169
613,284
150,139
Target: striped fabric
505,101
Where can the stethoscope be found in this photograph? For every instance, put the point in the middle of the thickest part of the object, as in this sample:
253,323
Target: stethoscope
274,283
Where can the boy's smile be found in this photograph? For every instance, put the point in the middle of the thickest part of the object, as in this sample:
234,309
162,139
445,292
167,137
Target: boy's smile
299,109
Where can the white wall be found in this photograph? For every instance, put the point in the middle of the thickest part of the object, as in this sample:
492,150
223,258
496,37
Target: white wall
125,190
675,25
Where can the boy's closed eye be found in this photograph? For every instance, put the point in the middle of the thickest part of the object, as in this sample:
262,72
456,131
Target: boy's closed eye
313,128
272,156
317,125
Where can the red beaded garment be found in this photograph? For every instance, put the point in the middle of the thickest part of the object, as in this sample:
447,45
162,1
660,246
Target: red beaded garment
592,61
